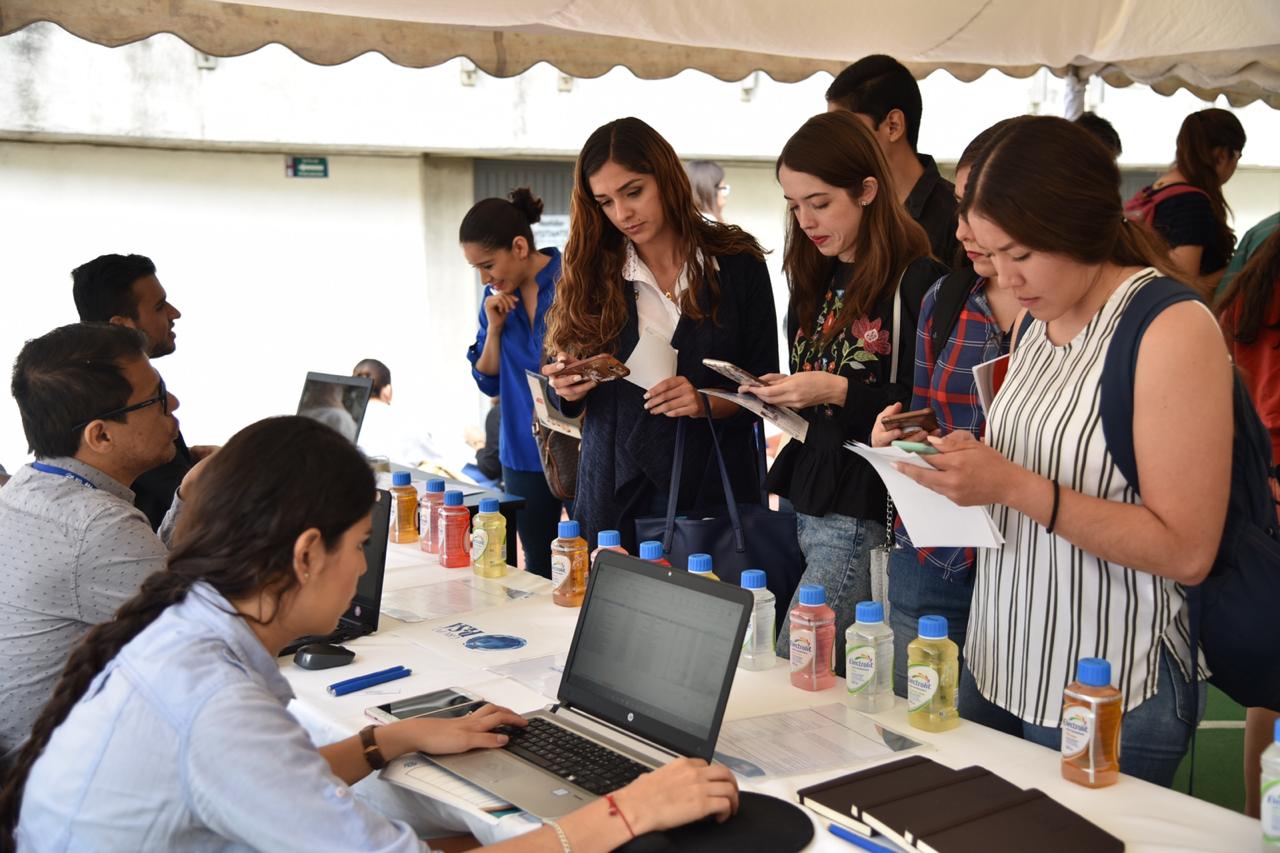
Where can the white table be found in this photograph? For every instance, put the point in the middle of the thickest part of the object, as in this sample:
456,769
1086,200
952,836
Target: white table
1147,817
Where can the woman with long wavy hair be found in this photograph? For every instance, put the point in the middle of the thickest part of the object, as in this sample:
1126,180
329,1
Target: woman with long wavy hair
169,731
641,261
1186,203
858,268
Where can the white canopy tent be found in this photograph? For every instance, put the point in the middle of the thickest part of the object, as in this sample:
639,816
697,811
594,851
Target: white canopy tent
1209,47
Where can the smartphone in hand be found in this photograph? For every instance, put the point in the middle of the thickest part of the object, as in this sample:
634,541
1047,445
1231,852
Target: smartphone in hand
601,368
921,420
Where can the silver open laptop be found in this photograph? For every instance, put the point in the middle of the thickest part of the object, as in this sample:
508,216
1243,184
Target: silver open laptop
646,681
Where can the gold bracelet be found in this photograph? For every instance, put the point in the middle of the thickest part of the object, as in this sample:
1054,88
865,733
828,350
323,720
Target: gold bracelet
564,839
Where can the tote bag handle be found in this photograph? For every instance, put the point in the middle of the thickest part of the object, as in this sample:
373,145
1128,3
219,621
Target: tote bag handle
673,494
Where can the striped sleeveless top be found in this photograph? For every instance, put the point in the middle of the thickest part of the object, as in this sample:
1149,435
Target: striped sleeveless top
1039,602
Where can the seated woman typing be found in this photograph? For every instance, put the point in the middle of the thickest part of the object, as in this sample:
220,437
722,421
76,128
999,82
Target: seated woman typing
168,729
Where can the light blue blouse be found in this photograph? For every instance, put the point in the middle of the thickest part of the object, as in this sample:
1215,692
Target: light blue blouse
183,743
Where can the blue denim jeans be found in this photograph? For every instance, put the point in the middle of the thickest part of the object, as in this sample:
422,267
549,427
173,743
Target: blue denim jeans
916,591
837,557
1153,737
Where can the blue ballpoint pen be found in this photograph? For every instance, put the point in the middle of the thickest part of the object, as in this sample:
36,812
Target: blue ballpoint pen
351,685
854,838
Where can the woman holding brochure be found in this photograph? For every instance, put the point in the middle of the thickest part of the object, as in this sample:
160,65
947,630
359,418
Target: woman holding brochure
857,266
645,273
1086,569
168,729
978,318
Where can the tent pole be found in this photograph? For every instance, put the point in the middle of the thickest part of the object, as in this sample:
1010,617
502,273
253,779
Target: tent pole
1073,100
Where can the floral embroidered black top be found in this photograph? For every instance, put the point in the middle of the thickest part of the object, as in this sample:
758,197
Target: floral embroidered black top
819,475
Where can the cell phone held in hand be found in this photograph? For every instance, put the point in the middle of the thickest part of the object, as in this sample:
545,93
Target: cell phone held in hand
921,420
450,702
601,368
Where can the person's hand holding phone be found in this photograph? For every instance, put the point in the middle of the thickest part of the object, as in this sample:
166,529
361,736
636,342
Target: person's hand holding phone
497,306
893,424
801,390
569,388
438,735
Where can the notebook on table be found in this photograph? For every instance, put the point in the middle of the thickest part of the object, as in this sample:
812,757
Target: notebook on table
647,679
361,617
850,796
1037,822
971,791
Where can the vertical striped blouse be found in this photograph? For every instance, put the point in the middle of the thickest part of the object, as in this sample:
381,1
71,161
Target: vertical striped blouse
1039,602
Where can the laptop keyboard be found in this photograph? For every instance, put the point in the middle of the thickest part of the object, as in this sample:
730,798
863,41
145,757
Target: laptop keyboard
573,758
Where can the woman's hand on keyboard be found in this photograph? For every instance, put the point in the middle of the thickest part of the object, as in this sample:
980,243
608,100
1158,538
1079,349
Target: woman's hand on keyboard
681,792
447,737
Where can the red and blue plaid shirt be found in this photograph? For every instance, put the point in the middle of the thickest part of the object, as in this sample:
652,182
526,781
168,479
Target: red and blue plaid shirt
944,382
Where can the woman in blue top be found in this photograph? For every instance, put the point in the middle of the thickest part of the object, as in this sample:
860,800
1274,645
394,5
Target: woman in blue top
520,283
168,729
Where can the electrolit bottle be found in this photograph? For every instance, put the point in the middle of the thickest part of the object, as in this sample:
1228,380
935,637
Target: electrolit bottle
454,521
813,639
868,660
1270,791
428,519
652,551
757,645
700,565
489,541
569,566
404,527
608,540
1091,713
933,674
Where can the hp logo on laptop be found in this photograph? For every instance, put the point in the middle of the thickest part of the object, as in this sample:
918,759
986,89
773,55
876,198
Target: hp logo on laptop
631,718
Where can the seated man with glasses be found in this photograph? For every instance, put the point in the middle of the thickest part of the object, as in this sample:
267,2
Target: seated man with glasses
96,415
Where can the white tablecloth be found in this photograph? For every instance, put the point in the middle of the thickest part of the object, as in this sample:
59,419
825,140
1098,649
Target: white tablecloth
1145,816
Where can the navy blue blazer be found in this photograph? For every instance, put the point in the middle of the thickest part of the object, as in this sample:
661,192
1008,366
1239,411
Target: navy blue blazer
625,469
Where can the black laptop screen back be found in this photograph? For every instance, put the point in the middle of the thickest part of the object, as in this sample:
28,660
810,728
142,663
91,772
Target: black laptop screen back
655,652
368,598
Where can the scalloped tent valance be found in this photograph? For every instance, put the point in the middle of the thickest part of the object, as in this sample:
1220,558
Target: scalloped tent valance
1209,47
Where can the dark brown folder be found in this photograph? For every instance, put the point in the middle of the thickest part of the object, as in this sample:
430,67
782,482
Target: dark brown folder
851,795
970,793
1036,823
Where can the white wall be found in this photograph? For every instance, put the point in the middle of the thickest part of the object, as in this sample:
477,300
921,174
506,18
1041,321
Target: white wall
274,276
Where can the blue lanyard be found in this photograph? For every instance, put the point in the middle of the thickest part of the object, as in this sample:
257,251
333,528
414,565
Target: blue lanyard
62,472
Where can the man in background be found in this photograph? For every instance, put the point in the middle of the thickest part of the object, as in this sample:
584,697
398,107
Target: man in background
881,92
124,290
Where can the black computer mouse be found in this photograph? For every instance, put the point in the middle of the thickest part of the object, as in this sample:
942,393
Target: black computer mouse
323,656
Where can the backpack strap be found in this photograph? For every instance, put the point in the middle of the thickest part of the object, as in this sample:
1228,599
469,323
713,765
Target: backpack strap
1121,365
953,295
1142,206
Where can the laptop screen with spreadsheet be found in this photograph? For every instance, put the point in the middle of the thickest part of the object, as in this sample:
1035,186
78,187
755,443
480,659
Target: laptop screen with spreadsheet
655,652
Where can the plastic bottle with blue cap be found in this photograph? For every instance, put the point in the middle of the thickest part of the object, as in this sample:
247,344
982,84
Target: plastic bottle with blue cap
813,639
404,497
455,531
489,541
868,660
428,519
1270,792
570,563
651,550
933,677
1092,711
757,644
700,565
607,540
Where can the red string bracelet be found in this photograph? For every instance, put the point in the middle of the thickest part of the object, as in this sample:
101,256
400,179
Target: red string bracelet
614,811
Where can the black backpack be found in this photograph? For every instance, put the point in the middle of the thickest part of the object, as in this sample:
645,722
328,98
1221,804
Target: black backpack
1235,612
950,301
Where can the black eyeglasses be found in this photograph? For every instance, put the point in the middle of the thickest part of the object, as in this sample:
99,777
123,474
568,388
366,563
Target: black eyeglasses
162,398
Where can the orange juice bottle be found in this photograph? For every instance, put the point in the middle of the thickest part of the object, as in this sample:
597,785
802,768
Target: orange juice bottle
1092,711
455,532
570,563
404,527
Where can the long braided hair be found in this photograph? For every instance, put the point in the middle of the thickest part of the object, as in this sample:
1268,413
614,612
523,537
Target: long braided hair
272,481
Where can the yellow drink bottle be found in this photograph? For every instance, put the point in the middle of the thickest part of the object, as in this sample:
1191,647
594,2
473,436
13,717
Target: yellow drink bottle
570,562
700,565
933,674
489,541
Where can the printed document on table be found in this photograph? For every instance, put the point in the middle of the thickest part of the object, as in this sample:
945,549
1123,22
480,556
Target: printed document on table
932,521
787,420
653,360
795,743
447,598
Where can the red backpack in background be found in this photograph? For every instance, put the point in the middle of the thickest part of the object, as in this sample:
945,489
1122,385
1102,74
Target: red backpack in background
1142,207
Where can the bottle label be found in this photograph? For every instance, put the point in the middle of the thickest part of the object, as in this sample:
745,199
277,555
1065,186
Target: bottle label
479,541
803,646
1271,811
559,570
748,639
1077,730
922,684
860,668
